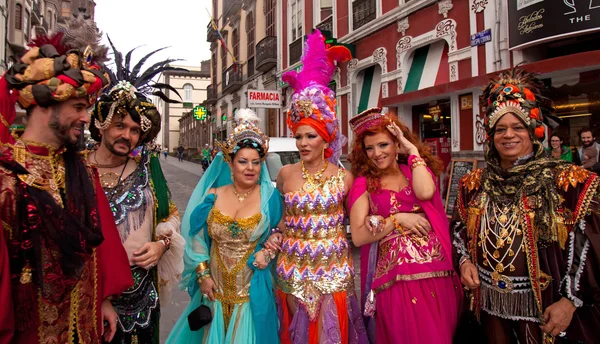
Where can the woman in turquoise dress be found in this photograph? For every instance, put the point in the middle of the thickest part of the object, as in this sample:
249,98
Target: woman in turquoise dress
228,219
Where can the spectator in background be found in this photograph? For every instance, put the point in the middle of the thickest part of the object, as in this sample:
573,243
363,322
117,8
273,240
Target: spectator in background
180,151
166,152
559,151
587,154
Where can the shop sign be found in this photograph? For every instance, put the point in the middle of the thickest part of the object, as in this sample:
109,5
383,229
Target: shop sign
536,21
466,102
435,112
481,38
264,99
200,113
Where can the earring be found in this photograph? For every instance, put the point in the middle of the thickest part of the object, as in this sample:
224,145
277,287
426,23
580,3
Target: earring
323,154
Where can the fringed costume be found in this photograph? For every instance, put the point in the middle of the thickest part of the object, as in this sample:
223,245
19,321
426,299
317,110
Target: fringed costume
315,264
59,235
140,203
533,231
223,249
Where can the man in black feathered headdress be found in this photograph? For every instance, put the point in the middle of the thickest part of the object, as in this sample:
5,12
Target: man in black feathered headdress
147,220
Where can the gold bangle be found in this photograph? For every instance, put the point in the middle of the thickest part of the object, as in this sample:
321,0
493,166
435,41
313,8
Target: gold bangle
397,225
418,162
202,267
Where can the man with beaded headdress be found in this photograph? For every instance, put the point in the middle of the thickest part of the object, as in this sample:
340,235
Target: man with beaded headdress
526,228
60,240
148,222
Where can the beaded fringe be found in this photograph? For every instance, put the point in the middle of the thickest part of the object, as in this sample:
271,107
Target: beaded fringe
518,305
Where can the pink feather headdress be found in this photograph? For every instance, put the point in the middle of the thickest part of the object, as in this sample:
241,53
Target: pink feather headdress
313,102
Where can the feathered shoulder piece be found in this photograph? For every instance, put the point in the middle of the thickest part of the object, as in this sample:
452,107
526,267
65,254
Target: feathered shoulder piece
519,92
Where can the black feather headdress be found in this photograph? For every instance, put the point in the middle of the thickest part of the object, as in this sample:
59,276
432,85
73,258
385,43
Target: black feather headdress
130,94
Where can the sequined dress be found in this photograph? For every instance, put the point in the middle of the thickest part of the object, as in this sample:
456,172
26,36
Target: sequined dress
315,266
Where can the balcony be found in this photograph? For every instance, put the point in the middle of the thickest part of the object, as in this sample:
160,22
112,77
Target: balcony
232,78
211,94
363,12
211,34
36,16
326,25
231,7
295,51
266,54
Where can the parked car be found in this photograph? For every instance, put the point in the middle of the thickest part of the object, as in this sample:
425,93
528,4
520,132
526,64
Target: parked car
282,151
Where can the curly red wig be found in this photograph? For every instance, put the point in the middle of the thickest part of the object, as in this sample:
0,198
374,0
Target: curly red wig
363,166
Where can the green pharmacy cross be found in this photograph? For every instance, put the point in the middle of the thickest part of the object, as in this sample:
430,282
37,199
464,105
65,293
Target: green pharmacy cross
200,113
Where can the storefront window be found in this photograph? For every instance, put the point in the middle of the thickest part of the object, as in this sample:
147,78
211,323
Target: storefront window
433,119
578,106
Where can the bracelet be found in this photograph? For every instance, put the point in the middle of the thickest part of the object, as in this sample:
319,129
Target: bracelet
275,230
416,162
165,240
462,260
411,159
202,267
397,225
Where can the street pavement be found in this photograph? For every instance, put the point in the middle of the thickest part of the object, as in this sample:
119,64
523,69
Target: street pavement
182,178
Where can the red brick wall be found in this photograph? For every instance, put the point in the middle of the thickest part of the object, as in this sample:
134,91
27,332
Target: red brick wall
466,125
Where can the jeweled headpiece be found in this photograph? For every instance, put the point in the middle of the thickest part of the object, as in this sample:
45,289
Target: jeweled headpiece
519,92
129,96
313,102
368,119
247,133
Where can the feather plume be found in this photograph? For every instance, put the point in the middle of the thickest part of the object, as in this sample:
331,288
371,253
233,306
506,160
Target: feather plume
54,39
80,32
318,62
247,115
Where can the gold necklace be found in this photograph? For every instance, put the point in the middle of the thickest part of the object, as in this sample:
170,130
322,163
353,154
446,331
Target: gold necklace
312,181
241,198
117,164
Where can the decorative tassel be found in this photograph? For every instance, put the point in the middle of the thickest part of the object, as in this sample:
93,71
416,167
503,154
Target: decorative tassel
26,300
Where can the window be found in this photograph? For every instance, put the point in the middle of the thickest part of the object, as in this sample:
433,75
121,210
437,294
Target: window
296,22
223,59
26,25
19,17
214,65
270,15
66,9
187,93
235,44
326,9
250,34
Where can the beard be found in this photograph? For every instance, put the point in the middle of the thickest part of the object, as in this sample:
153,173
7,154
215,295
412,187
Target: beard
61,131
111,147
586,145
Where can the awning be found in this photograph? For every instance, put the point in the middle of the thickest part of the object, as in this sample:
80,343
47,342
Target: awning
370,79
429,67
582,62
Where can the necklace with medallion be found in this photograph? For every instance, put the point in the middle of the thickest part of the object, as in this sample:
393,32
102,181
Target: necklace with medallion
241,198
312,181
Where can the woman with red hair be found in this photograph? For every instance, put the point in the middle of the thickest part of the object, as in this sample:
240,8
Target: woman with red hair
396,216
315,272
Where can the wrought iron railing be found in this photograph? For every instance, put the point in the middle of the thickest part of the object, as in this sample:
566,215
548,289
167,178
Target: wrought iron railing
326,25
232,78
363,11
266,53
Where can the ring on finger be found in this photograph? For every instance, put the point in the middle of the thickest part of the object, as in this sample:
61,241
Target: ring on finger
562,333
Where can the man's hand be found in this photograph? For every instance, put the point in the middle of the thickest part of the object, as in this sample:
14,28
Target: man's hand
469,276
558,316
149,254
109,315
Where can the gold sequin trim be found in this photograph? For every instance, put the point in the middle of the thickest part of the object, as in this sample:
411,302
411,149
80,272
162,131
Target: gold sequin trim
245,223
415,277
472,180
571,176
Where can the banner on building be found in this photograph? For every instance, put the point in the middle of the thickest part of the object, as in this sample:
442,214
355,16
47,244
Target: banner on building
264,99
535,21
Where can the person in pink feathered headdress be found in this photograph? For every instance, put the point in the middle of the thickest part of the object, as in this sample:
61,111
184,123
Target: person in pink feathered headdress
315,272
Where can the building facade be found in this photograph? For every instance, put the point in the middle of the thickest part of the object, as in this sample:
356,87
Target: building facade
191,85
248,30
427,61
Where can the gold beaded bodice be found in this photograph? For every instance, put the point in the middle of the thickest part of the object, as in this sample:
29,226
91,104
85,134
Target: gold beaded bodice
230,250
